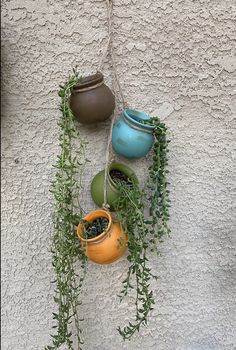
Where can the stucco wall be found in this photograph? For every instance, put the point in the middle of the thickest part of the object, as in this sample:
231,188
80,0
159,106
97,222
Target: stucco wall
180,52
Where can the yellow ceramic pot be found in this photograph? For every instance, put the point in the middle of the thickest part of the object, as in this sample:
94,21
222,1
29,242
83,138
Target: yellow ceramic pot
110,245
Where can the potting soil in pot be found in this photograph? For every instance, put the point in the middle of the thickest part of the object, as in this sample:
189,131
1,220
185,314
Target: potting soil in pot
118,176
94,228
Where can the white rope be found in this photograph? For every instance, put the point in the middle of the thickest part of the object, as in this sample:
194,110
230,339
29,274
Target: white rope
109,47
109,15
105,205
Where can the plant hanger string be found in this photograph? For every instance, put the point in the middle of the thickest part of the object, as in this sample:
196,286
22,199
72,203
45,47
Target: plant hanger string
109,49
117,90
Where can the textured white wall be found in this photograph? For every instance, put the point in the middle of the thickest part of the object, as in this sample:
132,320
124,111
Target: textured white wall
181,52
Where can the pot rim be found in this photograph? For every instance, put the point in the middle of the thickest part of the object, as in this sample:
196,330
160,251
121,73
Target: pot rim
112,166
89,81
95,214
132,115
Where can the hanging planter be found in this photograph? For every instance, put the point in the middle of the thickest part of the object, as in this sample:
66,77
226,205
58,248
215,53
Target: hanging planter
142,215
91,100
103,238
117,172
131,137
136,227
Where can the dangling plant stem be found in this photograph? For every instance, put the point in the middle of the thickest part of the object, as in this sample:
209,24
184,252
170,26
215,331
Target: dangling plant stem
66,248
156,190
144,232
130,211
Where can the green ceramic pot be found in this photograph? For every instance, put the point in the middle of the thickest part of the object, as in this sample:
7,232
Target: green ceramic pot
97,185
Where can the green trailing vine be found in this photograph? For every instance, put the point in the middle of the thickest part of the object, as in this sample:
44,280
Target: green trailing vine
156,190
66,248
130,212
144,233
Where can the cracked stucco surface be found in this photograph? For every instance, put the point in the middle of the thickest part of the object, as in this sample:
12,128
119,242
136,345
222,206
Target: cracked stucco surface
178,52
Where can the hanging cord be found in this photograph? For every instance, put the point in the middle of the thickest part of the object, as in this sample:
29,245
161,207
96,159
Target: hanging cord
105,205
109,15
109,49
109,3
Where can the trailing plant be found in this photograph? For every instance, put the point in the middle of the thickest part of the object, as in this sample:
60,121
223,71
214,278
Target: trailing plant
66,247
130,212
144,232
156,190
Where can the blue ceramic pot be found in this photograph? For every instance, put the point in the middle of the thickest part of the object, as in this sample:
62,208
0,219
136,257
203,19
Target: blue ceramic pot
131,138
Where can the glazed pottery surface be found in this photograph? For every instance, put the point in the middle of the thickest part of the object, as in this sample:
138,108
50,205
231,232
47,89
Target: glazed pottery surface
97,185
91,100
109,245
131,138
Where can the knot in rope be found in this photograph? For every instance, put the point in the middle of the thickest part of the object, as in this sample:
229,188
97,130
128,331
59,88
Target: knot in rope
106,206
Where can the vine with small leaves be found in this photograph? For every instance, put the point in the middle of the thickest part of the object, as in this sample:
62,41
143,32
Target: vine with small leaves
130,212
66,247
144,233
156,190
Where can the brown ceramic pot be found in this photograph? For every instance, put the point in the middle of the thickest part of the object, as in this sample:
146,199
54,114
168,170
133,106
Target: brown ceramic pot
91,100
